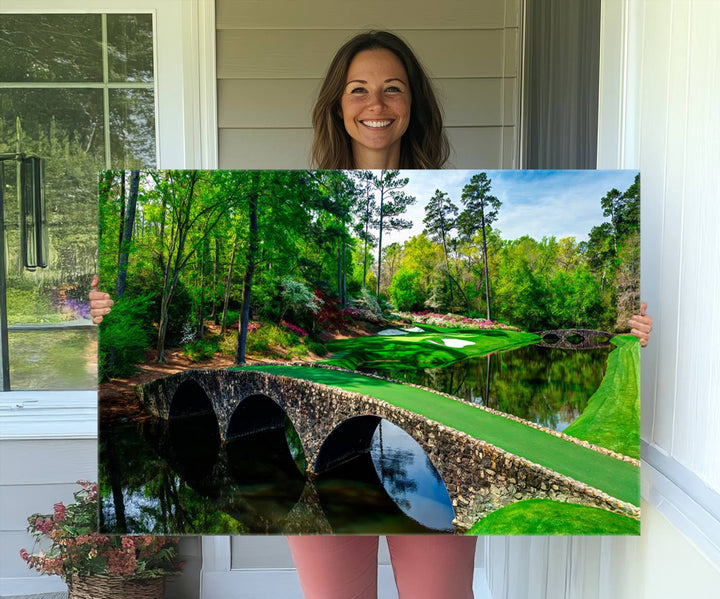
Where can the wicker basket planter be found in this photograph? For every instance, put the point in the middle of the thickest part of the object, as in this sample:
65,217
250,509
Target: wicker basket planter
116,587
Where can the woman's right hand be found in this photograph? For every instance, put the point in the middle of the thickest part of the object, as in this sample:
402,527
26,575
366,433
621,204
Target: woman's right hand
100,302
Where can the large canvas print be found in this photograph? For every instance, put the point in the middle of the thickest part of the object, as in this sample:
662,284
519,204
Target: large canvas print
356,352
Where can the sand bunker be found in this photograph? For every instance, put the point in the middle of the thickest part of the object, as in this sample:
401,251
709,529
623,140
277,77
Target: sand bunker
454,342
415,330
392,332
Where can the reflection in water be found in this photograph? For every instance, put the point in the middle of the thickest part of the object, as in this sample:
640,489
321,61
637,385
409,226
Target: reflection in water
545,385
176,477
409,477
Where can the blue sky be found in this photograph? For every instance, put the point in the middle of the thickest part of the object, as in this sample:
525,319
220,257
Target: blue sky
537,203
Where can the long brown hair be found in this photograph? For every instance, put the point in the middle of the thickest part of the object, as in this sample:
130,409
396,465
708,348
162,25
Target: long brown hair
424,144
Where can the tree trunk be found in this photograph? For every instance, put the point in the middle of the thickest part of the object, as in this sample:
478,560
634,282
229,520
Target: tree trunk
213,289
447,267
127,234
377,294
228,284
247,283
485,260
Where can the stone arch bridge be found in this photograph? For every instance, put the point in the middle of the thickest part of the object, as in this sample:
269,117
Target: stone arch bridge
574,339
334,425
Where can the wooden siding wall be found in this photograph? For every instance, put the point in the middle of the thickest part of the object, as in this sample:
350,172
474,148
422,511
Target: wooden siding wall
34,475
271,57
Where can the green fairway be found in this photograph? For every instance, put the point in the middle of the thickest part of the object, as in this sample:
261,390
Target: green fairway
612,416
547,517
618,479
423,350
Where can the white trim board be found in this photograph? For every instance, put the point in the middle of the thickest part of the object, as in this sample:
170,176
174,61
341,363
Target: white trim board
681,496
48,415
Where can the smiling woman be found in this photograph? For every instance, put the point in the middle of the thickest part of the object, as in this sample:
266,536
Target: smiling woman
375,107
365,104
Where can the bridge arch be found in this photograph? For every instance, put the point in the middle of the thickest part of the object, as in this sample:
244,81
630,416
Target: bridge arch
346,440
403,466
253,414
190,399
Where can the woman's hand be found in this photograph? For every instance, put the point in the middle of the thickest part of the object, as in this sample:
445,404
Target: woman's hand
100,303
641,325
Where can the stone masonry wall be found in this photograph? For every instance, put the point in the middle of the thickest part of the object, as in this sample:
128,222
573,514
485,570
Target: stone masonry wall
479,477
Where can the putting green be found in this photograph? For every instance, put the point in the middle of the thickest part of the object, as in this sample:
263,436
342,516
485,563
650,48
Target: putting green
616,478
547,517
423,350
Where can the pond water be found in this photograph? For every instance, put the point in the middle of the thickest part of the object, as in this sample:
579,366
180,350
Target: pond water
177,478
546,385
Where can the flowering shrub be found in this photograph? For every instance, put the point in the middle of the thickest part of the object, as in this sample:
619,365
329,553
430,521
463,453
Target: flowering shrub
294,329
77,550
455,320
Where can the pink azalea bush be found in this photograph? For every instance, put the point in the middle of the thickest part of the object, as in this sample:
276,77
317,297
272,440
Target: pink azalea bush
77,550
455,320
294,328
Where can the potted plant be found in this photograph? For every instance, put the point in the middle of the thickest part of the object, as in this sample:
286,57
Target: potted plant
93,565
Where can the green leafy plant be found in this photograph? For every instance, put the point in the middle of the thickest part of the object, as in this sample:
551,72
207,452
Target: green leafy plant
77,550
124,336
202,349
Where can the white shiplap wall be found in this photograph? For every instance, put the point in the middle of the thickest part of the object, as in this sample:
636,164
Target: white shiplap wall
271,58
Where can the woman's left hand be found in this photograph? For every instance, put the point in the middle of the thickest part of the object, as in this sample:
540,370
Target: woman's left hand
641,325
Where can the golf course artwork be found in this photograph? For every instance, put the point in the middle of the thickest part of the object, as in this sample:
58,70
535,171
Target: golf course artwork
369,352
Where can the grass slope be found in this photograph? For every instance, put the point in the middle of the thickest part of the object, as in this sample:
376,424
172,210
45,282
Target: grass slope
617,478
548,517
422,350
612,416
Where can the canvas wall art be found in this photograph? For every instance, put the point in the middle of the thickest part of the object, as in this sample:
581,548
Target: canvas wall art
385,352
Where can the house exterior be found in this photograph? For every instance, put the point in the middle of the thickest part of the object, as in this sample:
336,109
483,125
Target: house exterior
233,85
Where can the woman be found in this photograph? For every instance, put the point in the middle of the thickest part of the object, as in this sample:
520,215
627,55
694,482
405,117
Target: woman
376,109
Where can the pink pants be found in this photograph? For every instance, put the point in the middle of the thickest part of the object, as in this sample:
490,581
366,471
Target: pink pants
345,567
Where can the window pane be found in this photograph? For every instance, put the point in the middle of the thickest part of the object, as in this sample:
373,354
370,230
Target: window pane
132,128
66,127
53,359
62,124
130,47
50,48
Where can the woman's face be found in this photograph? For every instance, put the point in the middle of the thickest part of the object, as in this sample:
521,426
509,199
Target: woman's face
375,108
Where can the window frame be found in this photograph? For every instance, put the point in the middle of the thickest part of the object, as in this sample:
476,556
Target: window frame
186,137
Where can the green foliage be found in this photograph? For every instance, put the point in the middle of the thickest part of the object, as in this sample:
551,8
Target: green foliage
317,347
124,337
548,517
273,341
405,290
202,349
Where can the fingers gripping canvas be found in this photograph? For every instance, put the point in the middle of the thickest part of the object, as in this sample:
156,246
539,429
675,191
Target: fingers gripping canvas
385,352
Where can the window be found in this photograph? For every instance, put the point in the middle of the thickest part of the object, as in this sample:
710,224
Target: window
77,90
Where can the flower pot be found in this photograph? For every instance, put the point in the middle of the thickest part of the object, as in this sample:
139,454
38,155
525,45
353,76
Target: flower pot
116,587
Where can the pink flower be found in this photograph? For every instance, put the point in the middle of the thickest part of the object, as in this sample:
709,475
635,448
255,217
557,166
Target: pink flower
24,555
59,512
127,543
43,526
